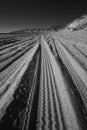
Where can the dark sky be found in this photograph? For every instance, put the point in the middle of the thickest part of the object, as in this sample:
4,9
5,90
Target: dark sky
19,14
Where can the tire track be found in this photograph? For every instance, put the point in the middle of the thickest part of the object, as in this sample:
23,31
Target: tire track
68,109
15,112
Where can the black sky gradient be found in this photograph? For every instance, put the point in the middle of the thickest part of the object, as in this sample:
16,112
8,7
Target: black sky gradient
19,14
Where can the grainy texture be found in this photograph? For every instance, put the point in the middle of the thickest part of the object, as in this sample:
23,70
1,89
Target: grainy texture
43,83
